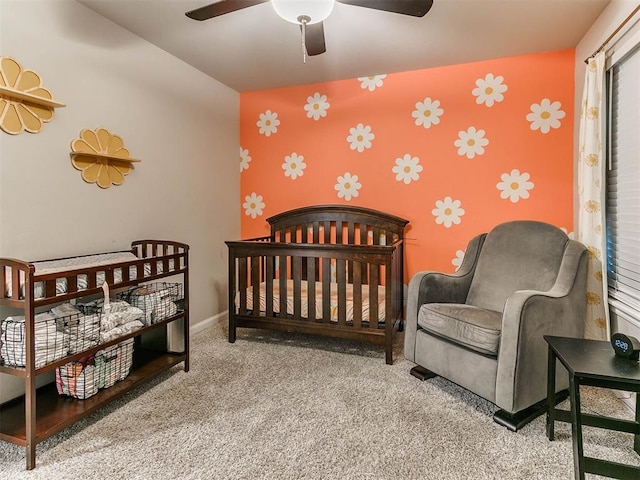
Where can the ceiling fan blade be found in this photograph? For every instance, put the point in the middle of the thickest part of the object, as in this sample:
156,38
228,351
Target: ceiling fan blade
314,39
415,8
220,8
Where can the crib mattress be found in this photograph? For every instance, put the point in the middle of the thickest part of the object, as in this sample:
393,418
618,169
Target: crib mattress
304,294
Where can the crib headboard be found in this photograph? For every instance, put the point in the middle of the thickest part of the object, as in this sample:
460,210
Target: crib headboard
337,224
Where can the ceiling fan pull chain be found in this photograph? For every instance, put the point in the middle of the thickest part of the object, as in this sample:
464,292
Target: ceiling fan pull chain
303,19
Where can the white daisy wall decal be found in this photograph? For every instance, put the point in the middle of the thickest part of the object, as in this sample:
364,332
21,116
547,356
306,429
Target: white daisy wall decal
457,261
347,186
427,112
514,185
471,142
371,82
253,205
545,115
448,212
294,166
489,90
268,123
407,169
244,159
360,137
317,106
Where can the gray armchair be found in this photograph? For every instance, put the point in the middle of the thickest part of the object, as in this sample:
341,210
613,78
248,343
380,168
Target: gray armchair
482,327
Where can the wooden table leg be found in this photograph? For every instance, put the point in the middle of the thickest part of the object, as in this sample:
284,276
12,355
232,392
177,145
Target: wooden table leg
576,427
551,393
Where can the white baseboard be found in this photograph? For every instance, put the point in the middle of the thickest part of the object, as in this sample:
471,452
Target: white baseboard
209,322
175,335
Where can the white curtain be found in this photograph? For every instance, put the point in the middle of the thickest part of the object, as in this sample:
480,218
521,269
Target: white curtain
591,184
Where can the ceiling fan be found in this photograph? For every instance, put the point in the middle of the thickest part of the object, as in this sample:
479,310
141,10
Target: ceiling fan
309,14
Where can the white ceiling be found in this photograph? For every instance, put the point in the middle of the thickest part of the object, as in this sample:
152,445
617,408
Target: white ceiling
254,49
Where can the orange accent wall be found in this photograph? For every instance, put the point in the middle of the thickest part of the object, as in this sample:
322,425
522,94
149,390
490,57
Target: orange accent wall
485,120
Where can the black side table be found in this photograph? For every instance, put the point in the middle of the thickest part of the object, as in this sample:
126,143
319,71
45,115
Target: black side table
593,363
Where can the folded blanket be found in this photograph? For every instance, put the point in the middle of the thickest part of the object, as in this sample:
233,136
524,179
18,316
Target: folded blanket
121,330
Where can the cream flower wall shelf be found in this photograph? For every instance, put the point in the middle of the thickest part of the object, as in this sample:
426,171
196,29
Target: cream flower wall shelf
24,103
101,157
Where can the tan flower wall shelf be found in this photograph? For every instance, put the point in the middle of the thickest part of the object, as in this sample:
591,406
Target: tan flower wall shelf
24,103
101,157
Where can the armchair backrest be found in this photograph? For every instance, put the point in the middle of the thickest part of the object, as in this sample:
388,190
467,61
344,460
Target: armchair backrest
518,255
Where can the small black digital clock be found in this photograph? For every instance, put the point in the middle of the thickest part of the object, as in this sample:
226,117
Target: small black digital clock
626,346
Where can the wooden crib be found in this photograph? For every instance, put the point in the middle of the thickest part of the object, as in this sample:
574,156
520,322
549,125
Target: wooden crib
333,270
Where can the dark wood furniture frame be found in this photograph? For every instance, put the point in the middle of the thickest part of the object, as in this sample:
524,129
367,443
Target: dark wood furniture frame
593,363
41,412
367,249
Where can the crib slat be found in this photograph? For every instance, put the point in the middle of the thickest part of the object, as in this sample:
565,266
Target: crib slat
351,240
297,277
270,275
316,241
326,290
282,272
341,277
357,294
242,284
390,310
311,288
255,284
376,235
351,233
374,281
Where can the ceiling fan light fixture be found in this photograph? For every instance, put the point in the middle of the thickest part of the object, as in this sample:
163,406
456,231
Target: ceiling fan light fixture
293,10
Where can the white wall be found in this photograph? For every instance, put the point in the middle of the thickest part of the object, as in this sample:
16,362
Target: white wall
615,13
182,124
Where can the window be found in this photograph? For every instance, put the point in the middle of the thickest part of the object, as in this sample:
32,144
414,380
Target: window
623,188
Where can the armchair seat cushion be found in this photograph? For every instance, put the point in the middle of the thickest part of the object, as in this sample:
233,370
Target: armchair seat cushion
473,327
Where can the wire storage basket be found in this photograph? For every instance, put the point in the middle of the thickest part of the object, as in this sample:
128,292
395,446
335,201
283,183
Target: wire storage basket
56,336
84,378
158,301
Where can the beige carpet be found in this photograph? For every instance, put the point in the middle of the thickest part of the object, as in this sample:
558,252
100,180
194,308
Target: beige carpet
282,406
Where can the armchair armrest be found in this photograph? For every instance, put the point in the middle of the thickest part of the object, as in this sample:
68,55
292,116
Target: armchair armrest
436,287
527,317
